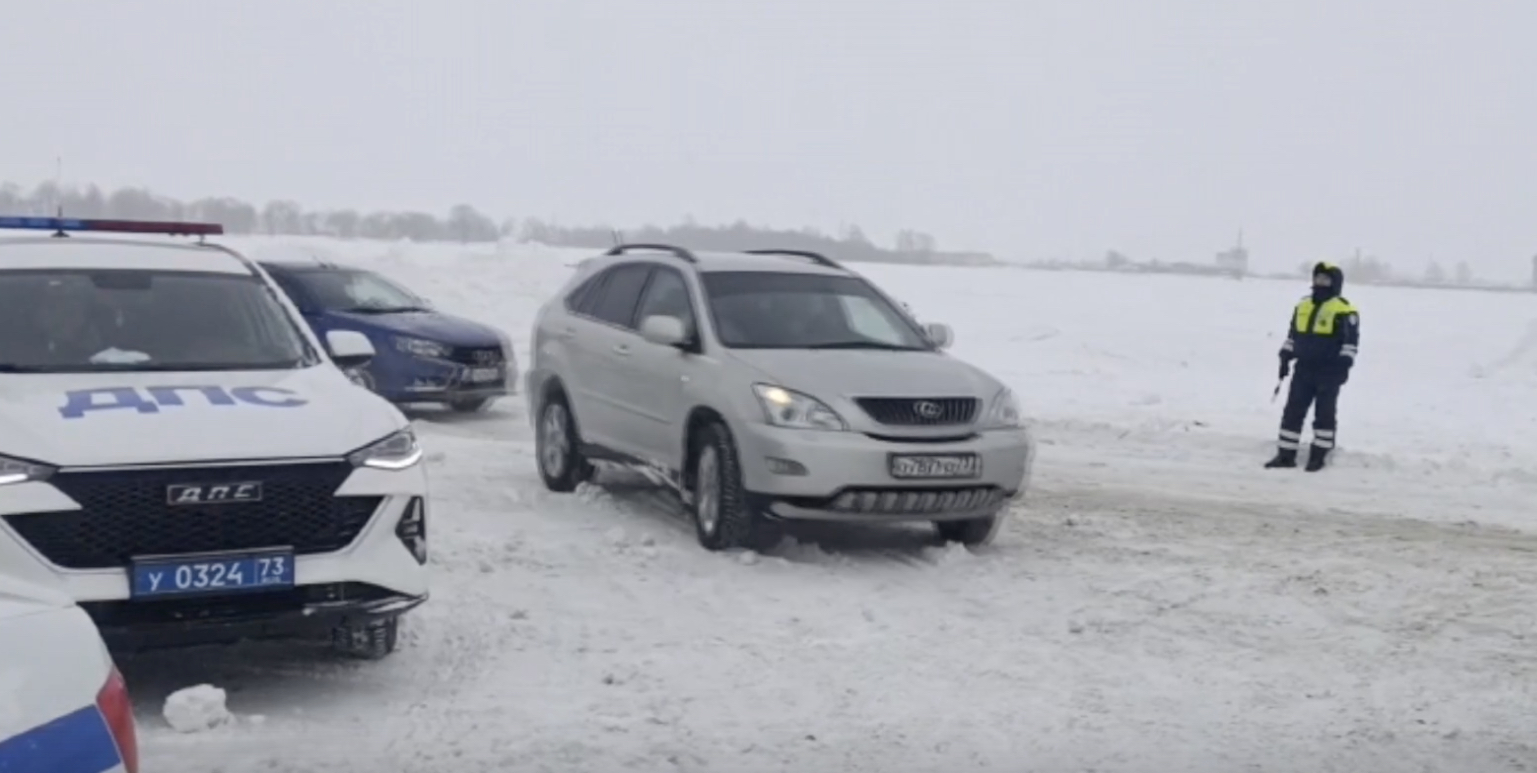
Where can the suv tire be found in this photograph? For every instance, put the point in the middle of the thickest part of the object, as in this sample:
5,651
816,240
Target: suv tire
723,516
561,463
973,532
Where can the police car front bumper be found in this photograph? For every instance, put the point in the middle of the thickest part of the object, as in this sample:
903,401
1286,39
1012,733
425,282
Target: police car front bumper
306,612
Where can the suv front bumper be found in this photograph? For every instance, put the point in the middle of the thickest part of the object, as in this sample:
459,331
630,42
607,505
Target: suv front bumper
845,476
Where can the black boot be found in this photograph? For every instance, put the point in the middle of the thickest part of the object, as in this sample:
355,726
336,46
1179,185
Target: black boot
1285,457
1316,458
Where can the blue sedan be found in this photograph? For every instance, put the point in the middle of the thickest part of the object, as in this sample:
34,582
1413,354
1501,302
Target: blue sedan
423,355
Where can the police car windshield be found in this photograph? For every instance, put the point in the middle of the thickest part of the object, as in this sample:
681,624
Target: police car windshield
768,310
359,292
61,321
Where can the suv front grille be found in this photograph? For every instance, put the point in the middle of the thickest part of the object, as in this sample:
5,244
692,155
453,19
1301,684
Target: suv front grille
920,411
125,513
477,356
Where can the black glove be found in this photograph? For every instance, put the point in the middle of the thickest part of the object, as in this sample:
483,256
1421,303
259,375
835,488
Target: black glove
1286,368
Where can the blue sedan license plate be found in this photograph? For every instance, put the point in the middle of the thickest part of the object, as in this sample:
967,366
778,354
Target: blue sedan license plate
212,574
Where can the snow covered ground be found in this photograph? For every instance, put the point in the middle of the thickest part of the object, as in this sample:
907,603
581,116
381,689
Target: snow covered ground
1159,603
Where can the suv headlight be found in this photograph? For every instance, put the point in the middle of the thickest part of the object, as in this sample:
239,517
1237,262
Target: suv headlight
396,452
1003,412
421,347
785,408
14,471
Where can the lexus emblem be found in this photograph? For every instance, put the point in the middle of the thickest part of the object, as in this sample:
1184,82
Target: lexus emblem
926,409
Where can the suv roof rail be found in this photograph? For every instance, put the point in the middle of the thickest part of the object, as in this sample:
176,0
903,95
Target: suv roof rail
61,226
815,257
620,249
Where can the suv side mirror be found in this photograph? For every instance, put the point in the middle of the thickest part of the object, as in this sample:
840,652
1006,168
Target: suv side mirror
939,334
663,330
349,348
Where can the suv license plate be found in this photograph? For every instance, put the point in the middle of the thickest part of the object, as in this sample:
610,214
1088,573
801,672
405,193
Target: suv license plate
935,465
485,374
211,574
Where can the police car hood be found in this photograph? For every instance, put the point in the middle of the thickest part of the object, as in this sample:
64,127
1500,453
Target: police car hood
142,418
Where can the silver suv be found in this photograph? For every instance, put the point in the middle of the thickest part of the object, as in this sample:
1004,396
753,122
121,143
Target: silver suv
769,386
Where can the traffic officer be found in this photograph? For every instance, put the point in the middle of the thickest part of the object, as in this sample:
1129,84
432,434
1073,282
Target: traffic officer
1322,338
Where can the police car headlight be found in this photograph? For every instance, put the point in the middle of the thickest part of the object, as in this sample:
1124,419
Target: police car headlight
396,452
421,347
14,471
1003,412
794,410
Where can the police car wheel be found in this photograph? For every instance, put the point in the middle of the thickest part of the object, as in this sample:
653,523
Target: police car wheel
374,640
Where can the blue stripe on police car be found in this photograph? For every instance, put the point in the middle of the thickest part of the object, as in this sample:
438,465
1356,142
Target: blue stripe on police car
79,742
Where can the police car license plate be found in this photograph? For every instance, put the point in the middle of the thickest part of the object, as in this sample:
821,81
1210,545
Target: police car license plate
212,574
935,465
485,374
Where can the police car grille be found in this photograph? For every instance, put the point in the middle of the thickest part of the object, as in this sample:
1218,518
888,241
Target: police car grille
920,411
124,513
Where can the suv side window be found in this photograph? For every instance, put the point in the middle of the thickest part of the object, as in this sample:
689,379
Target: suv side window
667,295
615,302
582,299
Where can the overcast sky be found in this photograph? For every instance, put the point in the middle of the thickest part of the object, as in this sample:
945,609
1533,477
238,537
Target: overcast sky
1033,129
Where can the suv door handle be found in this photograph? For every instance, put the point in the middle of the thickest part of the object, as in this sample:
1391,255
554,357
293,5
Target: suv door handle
622,350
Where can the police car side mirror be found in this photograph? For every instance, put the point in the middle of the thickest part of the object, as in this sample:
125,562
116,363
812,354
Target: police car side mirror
939,334
349,348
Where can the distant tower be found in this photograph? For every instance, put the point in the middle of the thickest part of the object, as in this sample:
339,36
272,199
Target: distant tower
1234,261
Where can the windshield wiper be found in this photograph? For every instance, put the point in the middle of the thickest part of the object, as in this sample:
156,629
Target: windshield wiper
866,345
383,309
172,367
6,367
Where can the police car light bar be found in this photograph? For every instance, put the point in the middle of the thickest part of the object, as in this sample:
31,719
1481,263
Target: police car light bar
62,225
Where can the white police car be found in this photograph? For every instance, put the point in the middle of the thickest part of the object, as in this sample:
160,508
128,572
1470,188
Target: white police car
63,706
184,458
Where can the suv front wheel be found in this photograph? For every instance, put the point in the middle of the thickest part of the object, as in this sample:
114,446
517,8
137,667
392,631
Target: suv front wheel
723,517
561,463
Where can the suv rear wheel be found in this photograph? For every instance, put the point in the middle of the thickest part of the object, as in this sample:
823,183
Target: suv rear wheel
561,464
723,518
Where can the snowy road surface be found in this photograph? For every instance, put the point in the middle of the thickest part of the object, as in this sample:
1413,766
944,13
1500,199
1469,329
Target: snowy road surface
1158,604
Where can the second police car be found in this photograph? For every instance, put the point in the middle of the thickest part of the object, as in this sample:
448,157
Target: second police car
183,457
64,708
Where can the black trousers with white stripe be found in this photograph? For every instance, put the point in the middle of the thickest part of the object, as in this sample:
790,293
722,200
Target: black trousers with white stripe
1319,391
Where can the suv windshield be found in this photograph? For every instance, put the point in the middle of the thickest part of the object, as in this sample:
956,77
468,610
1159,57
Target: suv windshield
362,292
63,321
764,310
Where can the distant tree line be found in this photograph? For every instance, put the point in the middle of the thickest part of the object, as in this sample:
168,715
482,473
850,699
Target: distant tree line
463,223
